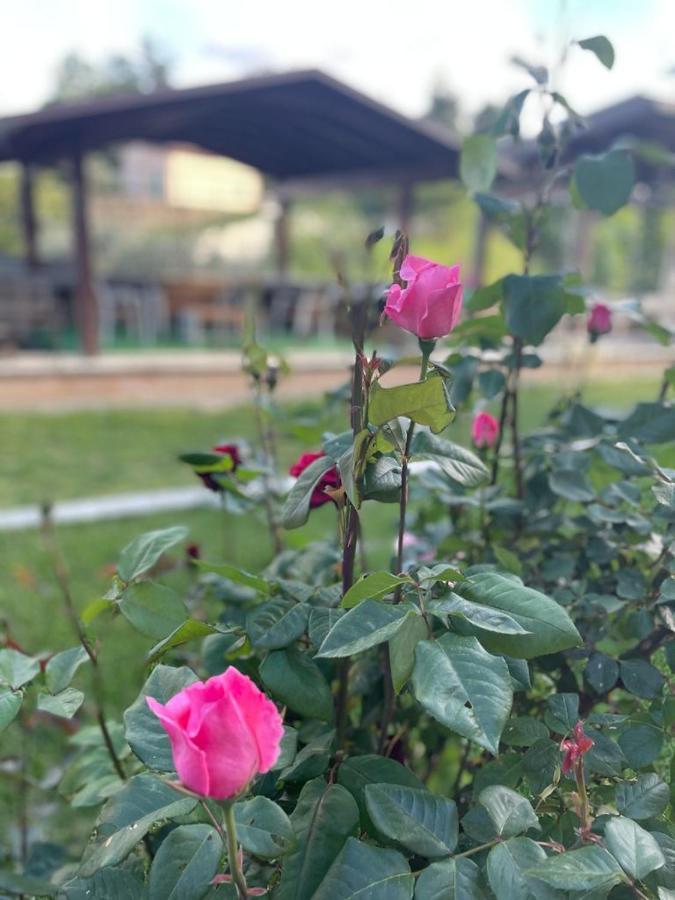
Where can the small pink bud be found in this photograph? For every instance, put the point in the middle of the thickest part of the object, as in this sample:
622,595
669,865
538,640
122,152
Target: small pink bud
484,430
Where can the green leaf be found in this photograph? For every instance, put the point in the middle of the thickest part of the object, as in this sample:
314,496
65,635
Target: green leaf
460,464
371,622
362,870
562,713
321,620
602,672
485,297
153,609
17,669
645,798
402,650
190,630
358,772
297,682
106,884
185,863
382,480
491,382
465,688
372,586
311,761
533,305
452,879
604,183
636,851
540,764
238,576
510,812
524,731
478,162
10,704
572,485
605,756
653,423
145,550
588,869
425,402
508,560
277,624
324,817
263,828
61,668
601,47
127,817
64,704
415,819
549,626
296,507
506,865
484,618
143,730
641,678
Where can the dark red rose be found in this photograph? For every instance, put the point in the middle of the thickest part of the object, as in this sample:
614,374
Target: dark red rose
330,479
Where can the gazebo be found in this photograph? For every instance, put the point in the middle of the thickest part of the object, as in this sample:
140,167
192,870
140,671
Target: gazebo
300,129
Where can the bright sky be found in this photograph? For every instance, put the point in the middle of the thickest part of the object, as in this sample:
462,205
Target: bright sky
391,49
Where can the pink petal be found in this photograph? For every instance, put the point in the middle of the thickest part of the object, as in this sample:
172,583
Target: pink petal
412,266
259,713
188,759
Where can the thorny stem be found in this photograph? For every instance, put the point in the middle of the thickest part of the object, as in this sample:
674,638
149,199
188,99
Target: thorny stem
63,580
268,450
233,853
389,699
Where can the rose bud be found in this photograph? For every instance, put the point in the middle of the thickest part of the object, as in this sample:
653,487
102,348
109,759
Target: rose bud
330,479
599,320
431,302
223,733
575,747
484,430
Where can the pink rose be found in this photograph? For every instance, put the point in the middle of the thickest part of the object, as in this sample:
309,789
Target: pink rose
599,320
430,303
484,430
223,733
329,479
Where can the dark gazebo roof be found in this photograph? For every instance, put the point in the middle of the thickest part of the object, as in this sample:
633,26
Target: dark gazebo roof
293,126
637,120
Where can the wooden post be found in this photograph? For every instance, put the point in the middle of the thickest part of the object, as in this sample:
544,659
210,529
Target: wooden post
406,206
282,235
29,226
86,310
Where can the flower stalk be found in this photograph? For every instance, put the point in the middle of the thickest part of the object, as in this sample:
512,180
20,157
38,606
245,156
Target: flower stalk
233,851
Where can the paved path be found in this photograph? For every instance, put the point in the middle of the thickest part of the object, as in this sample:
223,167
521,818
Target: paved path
116,506
40,382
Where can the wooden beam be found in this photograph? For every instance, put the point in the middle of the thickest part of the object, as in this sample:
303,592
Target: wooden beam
29,224
282,235
86,309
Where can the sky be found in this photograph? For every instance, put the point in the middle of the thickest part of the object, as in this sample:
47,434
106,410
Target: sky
393,50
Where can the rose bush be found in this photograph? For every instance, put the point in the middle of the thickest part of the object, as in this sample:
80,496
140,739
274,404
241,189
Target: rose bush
489,715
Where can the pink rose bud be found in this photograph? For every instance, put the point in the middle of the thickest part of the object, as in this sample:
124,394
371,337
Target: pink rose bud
599,320
484,430
330,479
575,747
430,303
223,733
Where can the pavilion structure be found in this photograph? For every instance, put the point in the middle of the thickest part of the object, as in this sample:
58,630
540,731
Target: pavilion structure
300,129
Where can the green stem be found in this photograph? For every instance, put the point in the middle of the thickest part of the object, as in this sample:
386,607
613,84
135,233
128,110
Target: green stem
477,849
389,693
232,851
